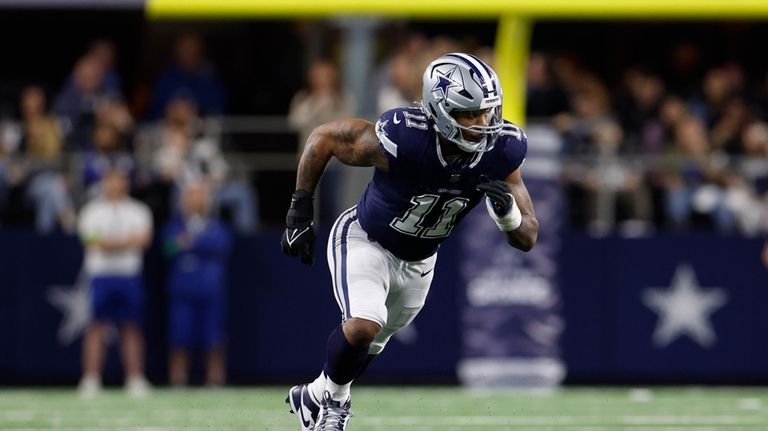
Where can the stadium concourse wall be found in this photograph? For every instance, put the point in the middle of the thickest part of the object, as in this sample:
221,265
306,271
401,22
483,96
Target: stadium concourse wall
280,313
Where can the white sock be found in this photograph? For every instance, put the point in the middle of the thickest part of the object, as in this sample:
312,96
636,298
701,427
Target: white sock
317,387
338,392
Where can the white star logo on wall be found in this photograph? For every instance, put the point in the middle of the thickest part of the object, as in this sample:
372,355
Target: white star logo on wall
74,304
684,309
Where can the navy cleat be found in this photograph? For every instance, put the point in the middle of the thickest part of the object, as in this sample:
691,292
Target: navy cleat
304,406
334,415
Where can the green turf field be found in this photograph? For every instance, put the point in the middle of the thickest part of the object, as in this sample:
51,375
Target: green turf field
400,409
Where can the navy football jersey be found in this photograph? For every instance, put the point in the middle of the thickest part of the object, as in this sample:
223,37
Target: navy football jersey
412,208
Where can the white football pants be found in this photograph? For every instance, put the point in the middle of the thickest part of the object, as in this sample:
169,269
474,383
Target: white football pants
371,283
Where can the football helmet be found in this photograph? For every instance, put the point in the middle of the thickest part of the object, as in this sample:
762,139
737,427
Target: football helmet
462,82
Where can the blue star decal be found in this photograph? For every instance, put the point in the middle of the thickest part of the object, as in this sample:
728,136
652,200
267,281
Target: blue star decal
445,81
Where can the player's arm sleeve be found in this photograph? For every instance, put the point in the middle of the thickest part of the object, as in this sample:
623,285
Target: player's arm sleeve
389,133
517,146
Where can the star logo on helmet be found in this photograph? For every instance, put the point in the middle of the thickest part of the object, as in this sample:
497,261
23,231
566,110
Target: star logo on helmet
445,81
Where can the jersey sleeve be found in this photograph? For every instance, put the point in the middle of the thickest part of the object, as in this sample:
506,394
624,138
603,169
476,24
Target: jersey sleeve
516,146
397,130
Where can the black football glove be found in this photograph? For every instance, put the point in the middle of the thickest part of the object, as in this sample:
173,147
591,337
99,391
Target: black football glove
299,236
499,193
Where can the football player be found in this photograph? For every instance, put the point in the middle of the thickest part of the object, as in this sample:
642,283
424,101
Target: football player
433,163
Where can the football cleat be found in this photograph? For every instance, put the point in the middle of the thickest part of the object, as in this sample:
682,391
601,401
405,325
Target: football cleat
334,415
304,406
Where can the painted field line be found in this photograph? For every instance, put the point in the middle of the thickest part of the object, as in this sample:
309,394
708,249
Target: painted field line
131,428
650,420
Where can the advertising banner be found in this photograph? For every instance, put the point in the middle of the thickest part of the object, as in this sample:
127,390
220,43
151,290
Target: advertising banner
510,322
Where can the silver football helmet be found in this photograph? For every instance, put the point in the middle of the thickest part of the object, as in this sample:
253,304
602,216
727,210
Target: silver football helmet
462,82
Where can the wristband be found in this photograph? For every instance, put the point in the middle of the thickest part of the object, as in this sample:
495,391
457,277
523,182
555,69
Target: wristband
509,222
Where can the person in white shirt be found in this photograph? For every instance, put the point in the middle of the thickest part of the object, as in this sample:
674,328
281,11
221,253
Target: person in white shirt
115,230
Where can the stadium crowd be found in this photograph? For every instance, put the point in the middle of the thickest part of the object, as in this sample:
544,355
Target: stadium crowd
54,154
686,150
678,149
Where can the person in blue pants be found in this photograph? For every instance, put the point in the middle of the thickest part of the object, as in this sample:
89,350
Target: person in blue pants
198,246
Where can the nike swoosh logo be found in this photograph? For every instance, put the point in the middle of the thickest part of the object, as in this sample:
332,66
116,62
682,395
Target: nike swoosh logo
424,274
295,234
304,421
394,119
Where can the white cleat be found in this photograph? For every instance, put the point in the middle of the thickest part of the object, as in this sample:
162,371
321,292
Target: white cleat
334,415
304,406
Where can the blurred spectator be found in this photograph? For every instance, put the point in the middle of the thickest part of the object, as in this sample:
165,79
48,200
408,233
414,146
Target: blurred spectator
569,73
685,69
638,107
37,191
727,130
545,97
190,73
185,155
156,179
114,113
742,203
106,154
716,91
42,134
402,83
178,152
320,102
10,136
747,181
659,132
78,102
115,231
755,149
198,245
601,187
104,52
693,192
438,46
384,88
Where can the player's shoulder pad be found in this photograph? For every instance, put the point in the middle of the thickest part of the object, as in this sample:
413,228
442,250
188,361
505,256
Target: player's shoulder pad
514,143
400,126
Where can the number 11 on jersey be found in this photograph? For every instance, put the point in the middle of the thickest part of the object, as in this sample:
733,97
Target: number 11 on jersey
410,222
